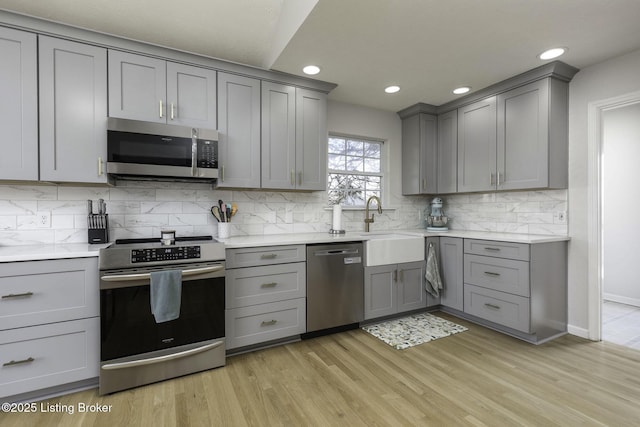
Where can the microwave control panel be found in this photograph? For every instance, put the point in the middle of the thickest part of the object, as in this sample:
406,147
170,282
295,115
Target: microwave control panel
165,254
207,154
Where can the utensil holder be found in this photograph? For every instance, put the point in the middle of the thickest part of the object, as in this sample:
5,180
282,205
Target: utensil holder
224,230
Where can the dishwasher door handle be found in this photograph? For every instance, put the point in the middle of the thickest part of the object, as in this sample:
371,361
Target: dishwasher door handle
337,252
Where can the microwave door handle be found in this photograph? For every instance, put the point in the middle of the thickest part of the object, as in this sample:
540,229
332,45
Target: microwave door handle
194,152
141,276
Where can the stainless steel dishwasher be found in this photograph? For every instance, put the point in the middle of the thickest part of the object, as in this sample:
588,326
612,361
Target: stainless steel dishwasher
335,286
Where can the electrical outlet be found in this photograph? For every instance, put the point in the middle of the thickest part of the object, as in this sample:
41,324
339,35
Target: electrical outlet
43,219
562,217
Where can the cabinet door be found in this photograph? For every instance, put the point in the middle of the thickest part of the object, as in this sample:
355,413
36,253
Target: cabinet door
18,105
191,96
137,87
451,270
278,136
311,140
477,146
380,291
410,286
447,168
73,111
419,154
239,127
523,137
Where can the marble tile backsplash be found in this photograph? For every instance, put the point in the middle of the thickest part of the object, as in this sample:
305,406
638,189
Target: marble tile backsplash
142,209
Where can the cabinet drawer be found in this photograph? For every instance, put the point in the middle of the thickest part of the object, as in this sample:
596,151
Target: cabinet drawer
504,275
49,355
271,283
265,322
497,249
39,292
251,257
505,309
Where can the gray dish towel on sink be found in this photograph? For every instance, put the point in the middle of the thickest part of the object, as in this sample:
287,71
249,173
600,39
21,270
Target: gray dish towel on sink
434,281
166,295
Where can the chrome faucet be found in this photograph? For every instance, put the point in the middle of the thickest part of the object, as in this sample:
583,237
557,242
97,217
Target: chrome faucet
368,220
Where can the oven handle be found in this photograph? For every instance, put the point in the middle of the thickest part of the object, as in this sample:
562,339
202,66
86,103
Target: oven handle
159,359
141,276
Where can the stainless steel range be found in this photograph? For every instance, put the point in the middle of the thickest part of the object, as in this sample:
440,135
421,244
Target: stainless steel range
136,348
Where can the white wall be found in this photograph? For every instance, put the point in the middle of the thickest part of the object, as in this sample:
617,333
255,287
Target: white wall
620,208
615,77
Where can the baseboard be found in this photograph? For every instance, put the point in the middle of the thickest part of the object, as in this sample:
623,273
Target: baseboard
579,332
622,300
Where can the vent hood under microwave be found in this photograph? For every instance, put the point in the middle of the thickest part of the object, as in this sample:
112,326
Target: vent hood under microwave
158,151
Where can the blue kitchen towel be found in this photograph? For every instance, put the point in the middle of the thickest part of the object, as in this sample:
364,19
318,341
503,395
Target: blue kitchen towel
166,294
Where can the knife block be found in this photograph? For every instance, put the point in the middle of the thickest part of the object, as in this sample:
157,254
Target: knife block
98,231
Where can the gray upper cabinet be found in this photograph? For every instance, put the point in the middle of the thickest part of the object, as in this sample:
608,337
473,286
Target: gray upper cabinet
311,140
18,105
278,136
532,136
154,90
447,168
191,96
419,154
137,87
73,111
477,146
451,262
239,131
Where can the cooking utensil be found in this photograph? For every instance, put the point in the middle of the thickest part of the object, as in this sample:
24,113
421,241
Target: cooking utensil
216,213
234,209
222,210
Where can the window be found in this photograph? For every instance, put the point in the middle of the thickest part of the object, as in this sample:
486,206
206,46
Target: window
355,170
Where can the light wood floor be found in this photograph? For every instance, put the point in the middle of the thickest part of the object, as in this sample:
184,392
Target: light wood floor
474,378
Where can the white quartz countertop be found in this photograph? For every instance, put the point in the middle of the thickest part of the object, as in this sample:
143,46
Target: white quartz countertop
83,250
42,252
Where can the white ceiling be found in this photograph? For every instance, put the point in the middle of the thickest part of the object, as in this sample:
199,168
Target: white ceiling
427,47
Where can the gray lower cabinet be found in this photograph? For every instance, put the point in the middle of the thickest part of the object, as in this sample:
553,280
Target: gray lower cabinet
477,146
419,154
294,138
265,294
520,289
49,326
394,288
18,105
451,270
73,111
154,90
239,131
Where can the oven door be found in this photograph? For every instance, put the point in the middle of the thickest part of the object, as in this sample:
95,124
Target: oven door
127,326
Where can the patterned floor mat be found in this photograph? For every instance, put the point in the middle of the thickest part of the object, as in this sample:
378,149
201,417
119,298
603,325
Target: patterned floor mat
413,330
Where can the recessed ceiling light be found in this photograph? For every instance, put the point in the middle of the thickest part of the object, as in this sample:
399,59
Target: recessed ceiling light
311,70
461,90
392,89
552,53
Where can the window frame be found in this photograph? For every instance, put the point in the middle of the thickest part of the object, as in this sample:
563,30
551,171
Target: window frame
381,174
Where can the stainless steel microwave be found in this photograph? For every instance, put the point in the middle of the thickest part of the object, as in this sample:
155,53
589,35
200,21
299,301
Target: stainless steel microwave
160,151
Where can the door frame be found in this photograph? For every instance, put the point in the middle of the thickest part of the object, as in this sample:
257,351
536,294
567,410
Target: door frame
594,206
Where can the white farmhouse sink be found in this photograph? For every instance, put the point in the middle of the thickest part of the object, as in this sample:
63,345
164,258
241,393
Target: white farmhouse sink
392,248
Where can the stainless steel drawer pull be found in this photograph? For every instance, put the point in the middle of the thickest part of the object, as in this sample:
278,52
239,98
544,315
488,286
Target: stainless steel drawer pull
19,362
268,322
491,273
488,248
23,295
269,285
269,256
492,306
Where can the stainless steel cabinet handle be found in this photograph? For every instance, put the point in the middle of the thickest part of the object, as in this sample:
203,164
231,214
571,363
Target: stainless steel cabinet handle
490,178
222,173
173,115
19,362
269,285
299,178
395,275
99,166
424,184
488,248
293,177
492,306
159,359
498,182
268,256
268,322
22,295
491,273
140,276
161,110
